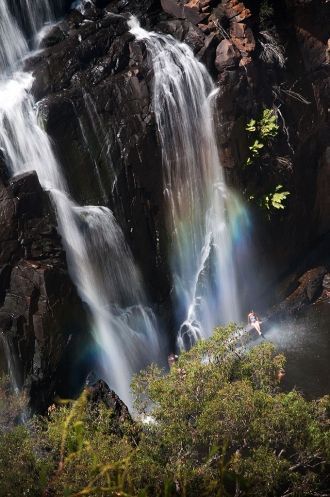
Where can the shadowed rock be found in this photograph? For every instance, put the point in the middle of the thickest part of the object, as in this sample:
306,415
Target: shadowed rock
40,312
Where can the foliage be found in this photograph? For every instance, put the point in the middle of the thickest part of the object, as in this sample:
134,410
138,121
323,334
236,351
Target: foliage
273,200
217,424
221,426
22,472
12,405
263,131
87,448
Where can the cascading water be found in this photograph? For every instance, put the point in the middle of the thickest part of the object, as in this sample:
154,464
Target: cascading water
33,15
99,261
194,186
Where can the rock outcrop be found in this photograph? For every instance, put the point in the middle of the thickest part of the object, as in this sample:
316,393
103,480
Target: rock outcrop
99,392
41,316
309,289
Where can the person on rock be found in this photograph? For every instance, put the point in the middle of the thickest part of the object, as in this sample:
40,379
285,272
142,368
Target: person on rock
254,321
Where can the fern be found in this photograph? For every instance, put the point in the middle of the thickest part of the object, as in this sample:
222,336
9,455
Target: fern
275,199
264,130
268,124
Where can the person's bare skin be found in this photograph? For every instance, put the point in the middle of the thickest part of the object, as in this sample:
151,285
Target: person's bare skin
254,321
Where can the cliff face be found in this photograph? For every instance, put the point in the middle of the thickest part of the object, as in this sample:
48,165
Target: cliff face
41,317
95,86
94,82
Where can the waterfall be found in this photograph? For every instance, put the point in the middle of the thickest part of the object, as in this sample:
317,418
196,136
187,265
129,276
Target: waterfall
202,263
10,360
99,261
35,15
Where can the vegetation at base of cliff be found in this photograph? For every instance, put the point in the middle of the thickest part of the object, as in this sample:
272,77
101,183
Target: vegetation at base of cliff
217,425
262,132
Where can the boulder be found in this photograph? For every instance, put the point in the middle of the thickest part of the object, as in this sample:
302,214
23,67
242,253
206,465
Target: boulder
227,55
242,37
195,11
308,290
100,392
237,10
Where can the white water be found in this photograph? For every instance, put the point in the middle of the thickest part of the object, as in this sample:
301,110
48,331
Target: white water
195,188
99,260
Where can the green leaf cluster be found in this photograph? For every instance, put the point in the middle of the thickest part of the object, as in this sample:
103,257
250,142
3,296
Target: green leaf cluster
263,130
274,200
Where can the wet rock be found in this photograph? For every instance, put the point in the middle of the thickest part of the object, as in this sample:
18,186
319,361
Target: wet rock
54,36
96,105
208,52
183,31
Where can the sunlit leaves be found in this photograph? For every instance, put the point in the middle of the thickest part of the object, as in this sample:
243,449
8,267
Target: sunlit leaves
275,199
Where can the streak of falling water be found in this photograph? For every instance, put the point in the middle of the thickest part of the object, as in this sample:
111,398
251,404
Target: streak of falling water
10,359
99,260
107,279
33,15
13,46
194,186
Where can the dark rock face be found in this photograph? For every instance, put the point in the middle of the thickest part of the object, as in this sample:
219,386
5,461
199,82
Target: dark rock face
95,85
310,287
100,392
275,58
40,312
95,93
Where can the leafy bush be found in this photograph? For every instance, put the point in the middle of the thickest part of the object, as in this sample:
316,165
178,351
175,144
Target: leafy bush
221,427
217,424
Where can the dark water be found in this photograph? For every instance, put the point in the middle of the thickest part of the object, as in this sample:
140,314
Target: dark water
305,341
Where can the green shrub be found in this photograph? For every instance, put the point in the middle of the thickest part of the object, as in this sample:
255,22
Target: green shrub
218,425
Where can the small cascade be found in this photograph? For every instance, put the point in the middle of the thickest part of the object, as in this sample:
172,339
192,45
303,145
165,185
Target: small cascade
10,52
10,361
102,267
99,260
197,196
35,15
